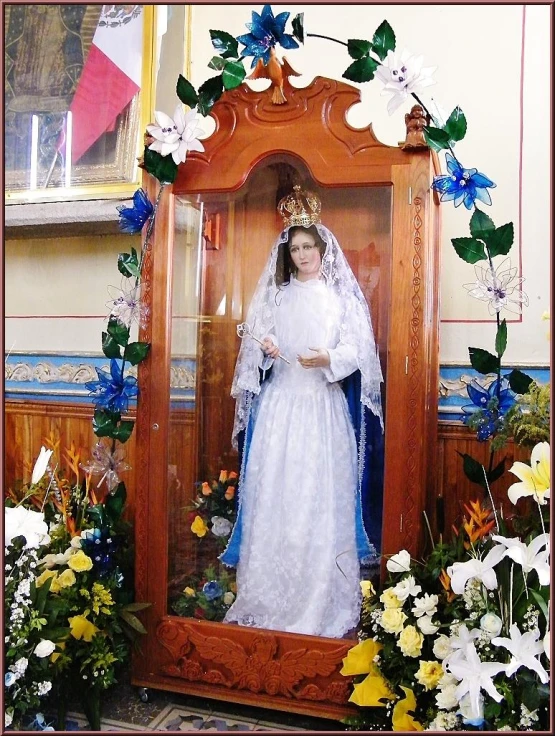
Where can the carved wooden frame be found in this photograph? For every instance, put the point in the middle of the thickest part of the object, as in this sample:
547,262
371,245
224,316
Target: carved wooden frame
274,669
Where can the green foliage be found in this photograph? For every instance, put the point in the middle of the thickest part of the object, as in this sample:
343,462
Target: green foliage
529,420
162,168
209,93
361,70
483,361
469,249
225,44
297,25
186,92
128,263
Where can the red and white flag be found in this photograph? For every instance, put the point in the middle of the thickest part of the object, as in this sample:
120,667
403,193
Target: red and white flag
111,76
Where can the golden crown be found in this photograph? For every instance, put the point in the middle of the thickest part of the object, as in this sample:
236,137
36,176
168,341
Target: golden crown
300,208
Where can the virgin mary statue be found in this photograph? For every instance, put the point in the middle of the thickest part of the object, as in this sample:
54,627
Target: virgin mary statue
299,538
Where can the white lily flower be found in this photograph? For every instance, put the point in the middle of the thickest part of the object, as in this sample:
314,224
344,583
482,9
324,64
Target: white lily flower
399,562
407,586
529,556
547,644
425,606
177,135
19,521
461,572
474,675
499,287
463,638
524,649
41,464
402,74
535,478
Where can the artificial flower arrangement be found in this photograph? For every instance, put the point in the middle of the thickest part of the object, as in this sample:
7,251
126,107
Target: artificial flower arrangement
461,639
69,610
211,516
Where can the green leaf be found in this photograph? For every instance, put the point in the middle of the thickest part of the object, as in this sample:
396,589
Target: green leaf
483,361
136,351
55,634
541,602
358,49
104,423
123,431
436,138
298,27
42,594
128,264
469,249
217,63
501,239
456,125
133,621
472,469
480,224
225,44
163,168
361,70
497,472
519,381
383,40
186,92
209,93
136,606
96,515
115,502
233,74
119,332
110,348
501,339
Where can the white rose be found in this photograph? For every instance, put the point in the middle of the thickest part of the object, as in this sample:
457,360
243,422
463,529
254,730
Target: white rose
425,606
491,624
399,562
447,698
228,598
221,527
407,586
426,625
45,648
442,647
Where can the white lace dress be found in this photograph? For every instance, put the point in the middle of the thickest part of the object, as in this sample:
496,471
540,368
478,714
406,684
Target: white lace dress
298,569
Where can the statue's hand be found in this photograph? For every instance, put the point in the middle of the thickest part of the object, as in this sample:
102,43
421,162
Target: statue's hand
320,360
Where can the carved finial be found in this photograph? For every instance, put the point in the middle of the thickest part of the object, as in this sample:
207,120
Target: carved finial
415,120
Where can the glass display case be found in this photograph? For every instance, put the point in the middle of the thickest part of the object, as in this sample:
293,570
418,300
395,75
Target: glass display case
214,231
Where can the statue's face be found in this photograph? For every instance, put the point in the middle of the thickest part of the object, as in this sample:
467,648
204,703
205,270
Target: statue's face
305,254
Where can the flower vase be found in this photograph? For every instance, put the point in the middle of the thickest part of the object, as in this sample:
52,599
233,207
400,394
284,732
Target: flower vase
92,706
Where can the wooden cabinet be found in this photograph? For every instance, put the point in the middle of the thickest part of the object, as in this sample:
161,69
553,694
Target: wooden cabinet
214,229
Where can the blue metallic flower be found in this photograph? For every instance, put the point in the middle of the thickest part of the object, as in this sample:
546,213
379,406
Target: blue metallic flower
464,186
9,679
212,590
487,409
265,32
112,392
99,545
132,219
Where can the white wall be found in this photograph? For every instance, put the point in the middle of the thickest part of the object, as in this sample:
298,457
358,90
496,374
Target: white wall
478,52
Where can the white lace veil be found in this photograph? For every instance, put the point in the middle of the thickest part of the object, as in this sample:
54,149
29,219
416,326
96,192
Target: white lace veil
356,327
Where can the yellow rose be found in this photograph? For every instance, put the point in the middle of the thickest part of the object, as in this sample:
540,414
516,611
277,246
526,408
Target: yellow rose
66,579
392,620
410,641
367,588
429,674
80,562
189,591
390,600
198,526
82,628
43,577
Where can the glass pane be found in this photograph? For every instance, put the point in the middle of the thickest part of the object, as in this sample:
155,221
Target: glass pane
72,81
215,290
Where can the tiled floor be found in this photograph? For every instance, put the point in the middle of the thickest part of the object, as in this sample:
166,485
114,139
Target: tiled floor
123,710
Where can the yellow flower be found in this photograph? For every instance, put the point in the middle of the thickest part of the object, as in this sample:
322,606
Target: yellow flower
66,579
55,655
80,562
370,691
536,477
223,476
389,599
429,674
400,717
101,598
392,620
43,577
367,588
82,628
410,641
189,591
360,658
198,526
